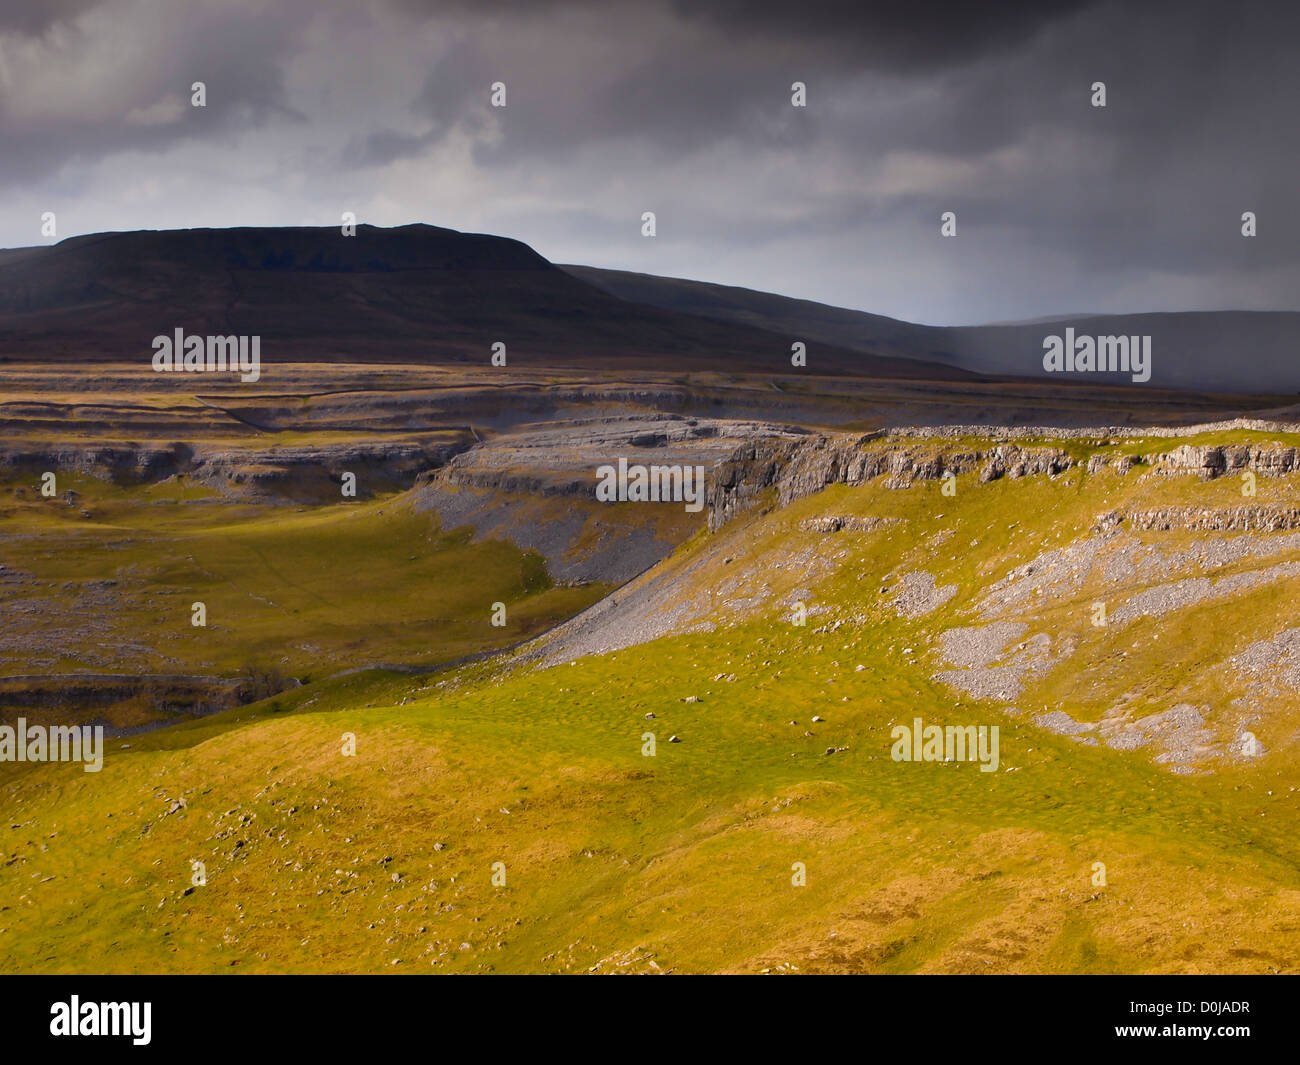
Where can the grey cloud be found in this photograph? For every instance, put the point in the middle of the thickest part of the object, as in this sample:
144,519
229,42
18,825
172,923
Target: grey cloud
914,108
239,56
384,146
884,34
33,18
891,35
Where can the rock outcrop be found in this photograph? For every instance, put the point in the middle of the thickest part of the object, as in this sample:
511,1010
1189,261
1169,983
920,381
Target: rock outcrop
785,470
1257,518
846,523
273,473
790,470
1217,460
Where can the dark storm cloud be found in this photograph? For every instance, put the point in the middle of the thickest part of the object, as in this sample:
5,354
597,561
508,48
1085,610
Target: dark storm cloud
143,103
385,146
34,17
729,70
888,34
1185,135
682,100
617,106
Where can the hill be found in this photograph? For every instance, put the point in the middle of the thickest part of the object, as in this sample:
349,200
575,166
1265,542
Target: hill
1139,815
413,294
1221,351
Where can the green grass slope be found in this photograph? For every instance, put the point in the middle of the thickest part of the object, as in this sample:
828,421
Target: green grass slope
504,817
107,585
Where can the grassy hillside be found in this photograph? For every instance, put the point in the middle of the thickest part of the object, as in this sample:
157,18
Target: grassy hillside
682,862
107,582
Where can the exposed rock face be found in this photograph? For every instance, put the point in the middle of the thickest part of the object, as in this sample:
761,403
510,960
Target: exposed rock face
287,471
1120,463
1215,461
1097,434
840,523
84,697
794,469
125,463
791,469
738,481
537,488
561,458
1259,518
1008,459
272,471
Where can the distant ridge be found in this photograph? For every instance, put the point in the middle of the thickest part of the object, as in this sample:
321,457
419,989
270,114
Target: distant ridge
411,294
1223,351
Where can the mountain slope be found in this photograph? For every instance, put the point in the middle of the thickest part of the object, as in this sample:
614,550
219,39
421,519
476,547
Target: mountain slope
1224,351
413,294
806,319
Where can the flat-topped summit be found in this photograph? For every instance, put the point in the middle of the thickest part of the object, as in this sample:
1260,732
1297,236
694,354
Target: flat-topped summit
411,294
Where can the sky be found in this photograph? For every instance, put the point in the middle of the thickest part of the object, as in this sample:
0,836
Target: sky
618,107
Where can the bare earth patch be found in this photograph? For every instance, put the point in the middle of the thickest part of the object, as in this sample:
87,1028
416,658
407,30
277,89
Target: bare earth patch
918,595
1179,734
977,649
